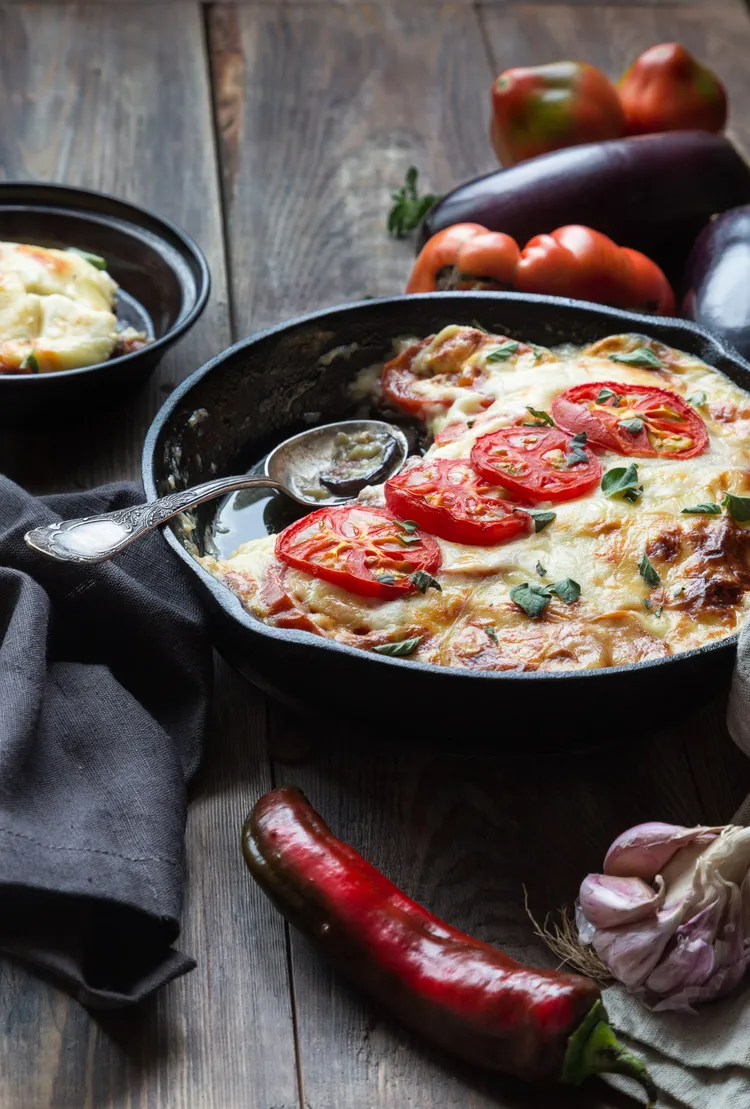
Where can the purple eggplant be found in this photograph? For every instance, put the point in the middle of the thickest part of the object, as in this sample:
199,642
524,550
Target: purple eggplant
717,278
653,193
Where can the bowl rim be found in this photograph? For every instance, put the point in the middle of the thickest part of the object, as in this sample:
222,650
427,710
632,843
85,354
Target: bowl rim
230,603
140,217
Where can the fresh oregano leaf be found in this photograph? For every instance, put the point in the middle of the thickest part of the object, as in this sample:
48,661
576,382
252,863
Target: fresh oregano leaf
541,570
634,425
400,649
622,480
408,525
697,399
425,581
567,590
707,509
737,507
30,362
94,260
641,356
540,417
491,632
533,599
387,579
604,395
541,517
409,208
648,572
503,352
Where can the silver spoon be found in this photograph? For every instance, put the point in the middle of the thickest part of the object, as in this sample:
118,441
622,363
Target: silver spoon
311,468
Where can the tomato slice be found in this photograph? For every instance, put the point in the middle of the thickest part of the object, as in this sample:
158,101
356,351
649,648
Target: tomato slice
444,366
638,420
536,464
447,497
360,548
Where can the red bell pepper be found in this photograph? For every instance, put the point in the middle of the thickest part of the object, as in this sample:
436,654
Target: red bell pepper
465,256
667,89
464,995
536,109
586,265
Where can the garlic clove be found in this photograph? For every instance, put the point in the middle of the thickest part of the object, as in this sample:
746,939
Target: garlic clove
644,851
608,902
631,953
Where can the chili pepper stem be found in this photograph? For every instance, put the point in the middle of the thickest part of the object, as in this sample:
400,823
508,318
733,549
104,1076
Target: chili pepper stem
594,1049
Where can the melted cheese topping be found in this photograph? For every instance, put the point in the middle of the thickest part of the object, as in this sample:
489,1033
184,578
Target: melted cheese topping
702,561
55,305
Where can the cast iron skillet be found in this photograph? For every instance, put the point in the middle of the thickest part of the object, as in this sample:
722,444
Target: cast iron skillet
164,285
263,388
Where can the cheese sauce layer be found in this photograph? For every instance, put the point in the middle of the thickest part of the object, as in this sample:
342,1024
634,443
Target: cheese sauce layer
692,587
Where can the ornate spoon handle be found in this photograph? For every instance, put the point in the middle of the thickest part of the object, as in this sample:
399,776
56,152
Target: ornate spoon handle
97,538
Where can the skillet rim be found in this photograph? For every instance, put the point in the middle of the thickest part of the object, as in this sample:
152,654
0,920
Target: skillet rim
230,603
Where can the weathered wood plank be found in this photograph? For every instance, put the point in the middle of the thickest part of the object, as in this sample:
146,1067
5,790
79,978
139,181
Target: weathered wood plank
117,98
321,112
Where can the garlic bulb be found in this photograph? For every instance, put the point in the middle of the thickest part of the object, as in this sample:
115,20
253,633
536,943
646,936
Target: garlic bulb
670,915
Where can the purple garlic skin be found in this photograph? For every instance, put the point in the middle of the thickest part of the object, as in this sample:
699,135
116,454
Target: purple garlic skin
670,916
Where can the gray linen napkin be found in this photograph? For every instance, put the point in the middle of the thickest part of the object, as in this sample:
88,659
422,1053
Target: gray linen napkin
697,1061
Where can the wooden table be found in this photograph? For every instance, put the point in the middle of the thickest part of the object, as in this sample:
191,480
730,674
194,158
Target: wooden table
273,132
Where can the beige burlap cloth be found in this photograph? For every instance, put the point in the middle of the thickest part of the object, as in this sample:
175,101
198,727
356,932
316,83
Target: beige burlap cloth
701,1060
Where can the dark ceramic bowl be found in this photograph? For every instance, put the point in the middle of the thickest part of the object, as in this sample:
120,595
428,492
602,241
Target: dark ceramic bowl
164,285
265,388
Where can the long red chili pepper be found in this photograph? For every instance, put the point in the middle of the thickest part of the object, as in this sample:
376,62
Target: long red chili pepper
464,995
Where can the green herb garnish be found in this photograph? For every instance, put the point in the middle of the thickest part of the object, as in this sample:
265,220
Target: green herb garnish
647,604
399,649
533,598
540,516
642,356
491,632
623,481
541,570
409,208
425,581
605,394
567,590
387,579
542,418
658,611
648,572
679,591
737,507
30,362
539,351
408,525
697,399
408,539
94,260
707,509
478,326
634,425
503,352
576,453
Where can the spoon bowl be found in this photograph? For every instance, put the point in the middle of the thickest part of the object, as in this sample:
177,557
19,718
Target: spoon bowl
323,466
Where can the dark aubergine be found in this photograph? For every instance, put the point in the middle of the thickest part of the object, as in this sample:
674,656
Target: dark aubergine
653,193
717,279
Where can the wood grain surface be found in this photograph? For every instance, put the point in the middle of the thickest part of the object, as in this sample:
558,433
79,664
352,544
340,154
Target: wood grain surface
279,129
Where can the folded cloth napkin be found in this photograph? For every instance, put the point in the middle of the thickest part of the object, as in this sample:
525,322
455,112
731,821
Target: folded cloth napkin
697,1061
105,677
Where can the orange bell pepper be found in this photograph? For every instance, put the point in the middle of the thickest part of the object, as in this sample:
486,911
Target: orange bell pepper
667,89
577,262
536,109
465,256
